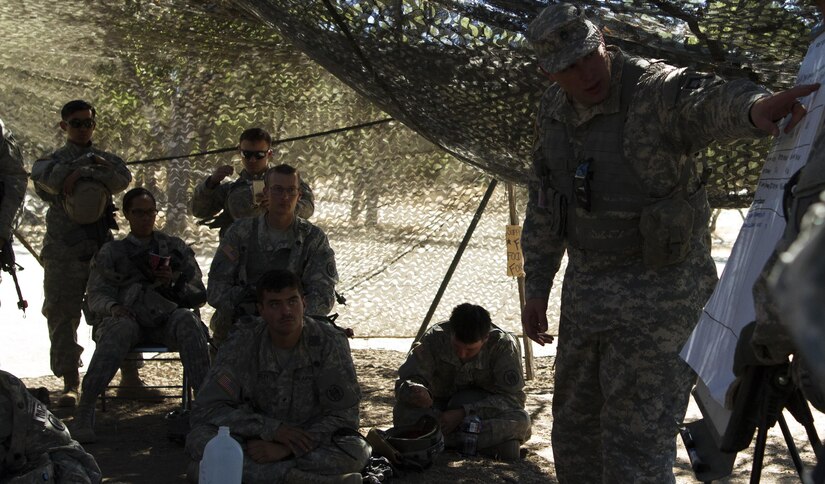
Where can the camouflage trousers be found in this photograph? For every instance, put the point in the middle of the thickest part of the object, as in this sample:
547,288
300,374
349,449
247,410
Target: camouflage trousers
619,397
64,285
182,332
342,455
497,425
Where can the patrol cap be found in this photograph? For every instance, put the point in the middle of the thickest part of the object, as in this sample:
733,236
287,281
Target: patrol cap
561,35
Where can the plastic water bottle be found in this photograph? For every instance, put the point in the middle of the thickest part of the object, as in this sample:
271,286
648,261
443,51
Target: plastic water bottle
222,461
470,428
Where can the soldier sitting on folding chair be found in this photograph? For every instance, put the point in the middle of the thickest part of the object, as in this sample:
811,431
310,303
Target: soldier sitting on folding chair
147,283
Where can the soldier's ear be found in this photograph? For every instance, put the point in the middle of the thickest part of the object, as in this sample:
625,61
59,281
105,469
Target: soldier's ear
63,125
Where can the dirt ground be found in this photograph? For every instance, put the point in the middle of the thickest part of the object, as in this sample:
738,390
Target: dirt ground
133,446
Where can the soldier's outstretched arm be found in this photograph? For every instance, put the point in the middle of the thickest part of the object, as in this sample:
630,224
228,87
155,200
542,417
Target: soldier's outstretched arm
767,111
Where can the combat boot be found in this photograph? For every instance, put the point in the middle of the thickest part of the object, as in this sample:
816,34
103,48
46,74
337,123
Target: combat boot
297,476
133,388
83,426
507,450
69,396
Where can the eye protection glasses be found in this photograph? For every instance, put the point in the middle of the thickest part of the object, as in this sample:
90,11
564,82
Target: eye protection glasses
81,123
259,155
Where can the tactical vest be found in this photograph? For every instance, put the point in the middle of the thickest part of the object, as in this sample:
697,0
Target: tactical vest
616,194
255,261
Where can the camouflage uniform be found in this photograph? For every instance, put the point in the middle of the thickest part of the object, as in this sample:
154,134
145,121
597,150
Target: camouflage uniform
119,274
13,178
248,250
795,286
68,247
236,200
621,388
249,391
771,342
494,374
35,446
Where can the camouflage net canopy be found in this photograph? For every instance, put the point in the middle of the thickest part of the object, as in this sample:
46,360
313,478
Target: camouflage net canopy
173,78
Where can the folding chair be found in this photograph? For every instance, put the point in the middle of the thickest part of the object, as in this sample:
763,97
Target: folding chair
138,353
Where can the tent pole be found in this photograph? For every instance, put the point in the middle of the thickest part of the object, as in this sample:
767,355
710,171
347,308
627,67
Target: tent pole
528,346
467,236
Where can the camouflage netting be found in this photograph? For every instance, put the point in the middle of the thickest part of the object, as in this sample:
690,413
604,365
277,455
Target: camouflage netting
173,77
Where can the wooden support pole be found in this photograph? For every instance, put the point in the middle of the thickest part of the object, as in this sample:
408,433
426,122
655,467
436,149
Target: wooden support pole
528,344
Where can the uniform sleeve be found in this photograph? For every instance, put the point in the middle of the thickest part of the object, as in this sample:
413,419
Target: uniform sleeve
189,286
306,205
222,400
14,179
117,177
102,287
224,289
320,275
508,388
417,370
49,173
542,248
700,108
338,389
206,201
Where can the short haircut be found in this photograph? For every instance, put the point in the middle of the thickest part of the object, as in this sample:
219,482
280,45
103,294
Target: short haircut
470,323
282,169
134,193
277,280
256,134
72,107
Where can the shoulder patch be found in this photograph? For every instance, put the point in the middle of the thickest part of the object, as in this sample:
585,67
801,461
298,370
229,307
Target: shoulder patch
228,385
230,252
334,393
56,423
511,377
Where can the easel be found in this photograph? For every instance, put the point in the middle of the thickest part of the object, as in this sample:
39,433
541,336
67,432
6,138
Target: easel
765,392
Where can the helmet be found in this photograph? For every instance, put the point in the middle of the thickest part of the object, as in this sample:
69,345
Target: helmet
410,446
87,202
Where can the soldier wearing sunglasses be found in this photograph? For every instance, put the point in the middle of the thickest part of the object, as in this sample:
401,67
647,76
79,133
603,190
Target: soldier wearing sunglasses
219,204
77,181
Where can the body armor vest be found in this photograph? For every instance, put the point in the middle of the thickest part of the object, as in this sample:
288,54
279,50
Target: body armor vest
605,196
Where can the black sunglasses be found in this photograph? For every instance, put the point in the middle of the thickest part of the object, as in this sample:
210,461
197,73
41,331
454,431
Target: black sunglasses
257,154
81,123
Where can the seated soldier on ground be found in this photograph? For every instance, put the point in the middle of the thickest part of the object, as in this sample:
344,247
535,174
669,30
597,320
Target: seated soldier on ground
285,386
144,287
237,199
276,239
462,365
34,444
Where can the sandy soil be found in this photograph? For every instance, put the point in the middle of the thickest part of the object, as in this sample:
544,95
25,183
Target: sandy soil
133,446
